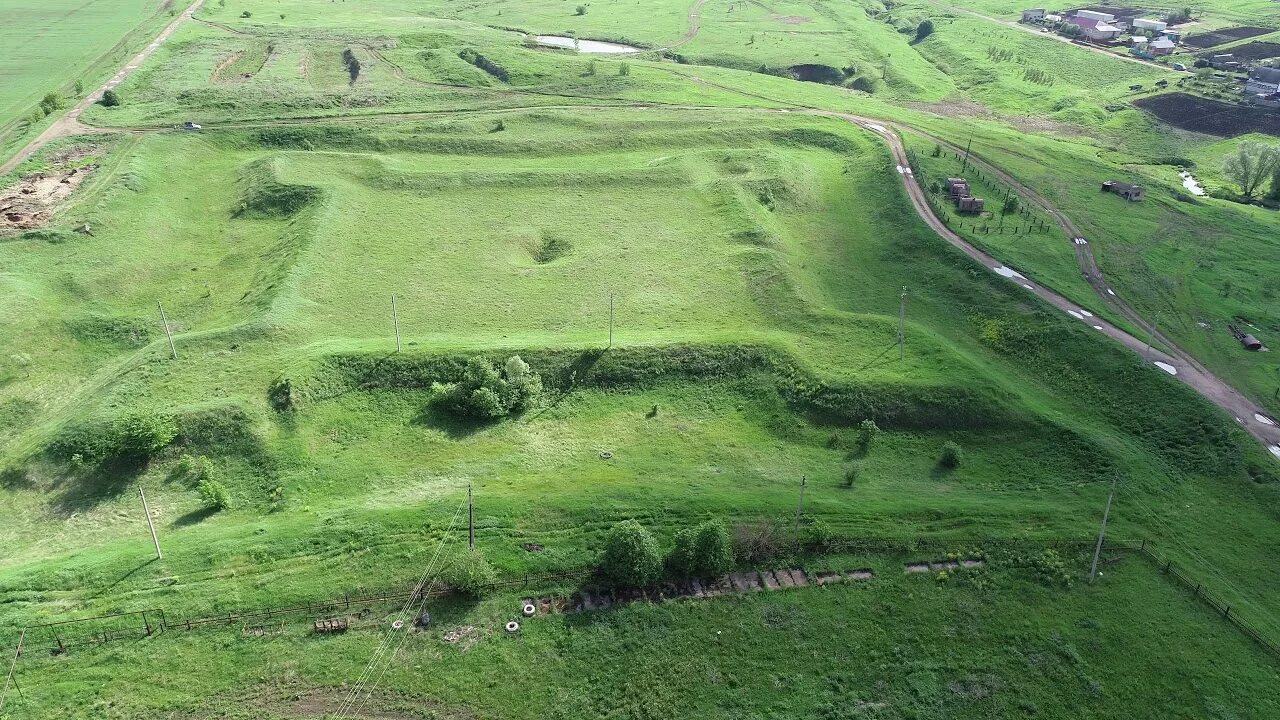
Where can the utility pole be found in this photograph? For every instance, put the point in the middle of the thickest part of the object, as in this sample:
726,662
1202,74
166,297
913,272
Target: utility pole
965,164
165,321
1097,550
800,508
902,319
147,511
11,678
610,321
471,520
395,318
1151,334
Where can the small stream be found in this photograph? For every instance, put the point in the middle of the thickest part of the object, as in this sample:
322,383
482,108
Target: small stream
587,46
1190,182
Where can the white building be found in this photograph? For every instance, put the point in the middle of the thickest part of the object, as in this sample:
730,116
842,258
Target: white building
1155,26
1099,16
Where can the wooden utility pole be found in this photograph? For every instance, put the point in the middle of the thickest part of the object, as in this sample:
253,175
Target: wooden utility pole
1097,550
902,320
471,520
800,507
151,525
395,319
965,165
11,678
1151,335
165,321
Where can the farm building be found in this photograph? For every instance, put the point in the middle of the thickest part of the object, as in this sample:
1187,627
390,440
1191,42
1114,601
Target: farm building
1155,26
1132,193
1032,15
1094,15
1225,61
969,204
1160,46
1263,87
1095,30
957,187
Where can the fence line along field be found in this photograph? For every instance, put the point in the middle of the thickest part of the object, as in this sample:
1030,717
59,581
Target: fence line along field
439,310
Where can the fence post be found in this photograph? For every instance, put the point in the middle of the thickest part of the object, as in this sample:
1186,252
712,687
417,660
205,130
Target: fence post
145,623
1227,613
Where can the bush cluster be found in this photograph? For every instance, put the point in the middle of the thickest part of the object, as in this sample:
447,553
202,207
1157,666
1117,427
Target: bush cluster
487,393
704,551
470,574
136,436
631,557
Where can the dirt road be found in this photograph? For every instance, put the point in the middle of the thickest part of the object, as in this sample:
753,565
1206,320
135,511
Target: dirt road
69,123
1250,415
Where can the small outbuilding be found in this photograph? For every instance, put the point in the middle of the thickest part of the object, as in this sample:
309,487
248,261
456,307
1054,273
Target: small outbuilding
957,187
1033,15
969,204
1132,193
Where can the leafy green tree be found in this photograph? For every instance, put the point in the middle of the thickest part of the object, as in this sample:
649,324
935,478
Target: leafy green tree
470,574
1251,165
631,557
868,431
110,99
487,393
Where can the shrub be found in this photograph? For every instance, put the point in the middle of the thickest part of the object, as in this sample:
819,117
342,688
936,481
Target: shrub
624,69
867,432
591,67
214,494
713,549
470,574
246,14
631,557
924,29
864,84
50,102
110,99
951,455
485,393
580,10
680,561
851,474
818,534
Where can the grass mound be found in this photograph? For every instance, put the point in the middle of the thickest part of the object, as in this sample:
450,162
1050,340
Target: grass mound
262,195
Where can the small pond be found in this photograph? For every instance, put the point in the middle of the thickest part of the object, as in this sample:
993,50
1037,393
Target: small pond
586,46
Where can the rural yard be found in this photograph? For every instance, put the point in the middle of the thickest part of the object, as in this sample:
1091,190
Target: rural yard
694,358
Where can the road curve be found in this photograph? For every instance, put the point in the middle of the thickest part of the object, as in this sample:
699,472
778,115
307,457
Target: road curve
69,123
1250,416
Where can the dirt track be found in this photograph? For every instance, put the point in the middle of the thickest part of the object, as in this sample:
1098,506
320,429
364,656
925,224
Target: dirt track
1244,410
69,123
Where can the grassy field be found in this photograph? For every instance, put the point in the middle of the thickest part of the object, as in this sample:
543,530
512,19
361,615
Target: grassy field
48,48
755,260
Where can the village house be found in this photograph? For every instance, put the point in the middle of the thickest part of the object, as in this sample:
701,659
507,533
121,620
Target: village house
1225,61
1161,46
1095,30
1093,15
1132,193
1033,15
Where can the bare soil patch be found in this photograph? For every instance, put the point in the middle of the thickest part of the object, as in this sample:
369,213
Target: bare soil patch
963,108
1225,35
31,203
1256,50
328,702
1210,117
232,59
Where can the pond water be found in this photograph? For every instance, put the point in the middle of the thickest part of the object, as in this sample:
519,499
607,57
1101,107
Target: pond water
1190,182
586,46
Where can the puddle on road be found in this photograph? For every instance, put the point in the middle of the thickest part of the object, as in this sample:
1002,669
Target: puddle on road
1190,182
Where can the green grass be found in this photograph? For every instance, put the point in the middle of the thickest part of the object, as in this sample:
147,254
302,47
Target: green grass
48,47
756,261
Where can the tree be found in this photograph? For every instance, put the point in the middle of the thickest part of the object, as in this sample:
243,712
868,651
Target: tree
1010,205
712,550
110,99
623,69
143,435
1071,31
631,557
50,102
470,574
680,561
1251,165
924,29
1275,184
486,393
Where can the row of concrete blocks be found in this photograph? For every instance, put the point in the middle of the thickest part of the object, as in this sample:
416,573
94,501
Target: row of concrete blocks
751,581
